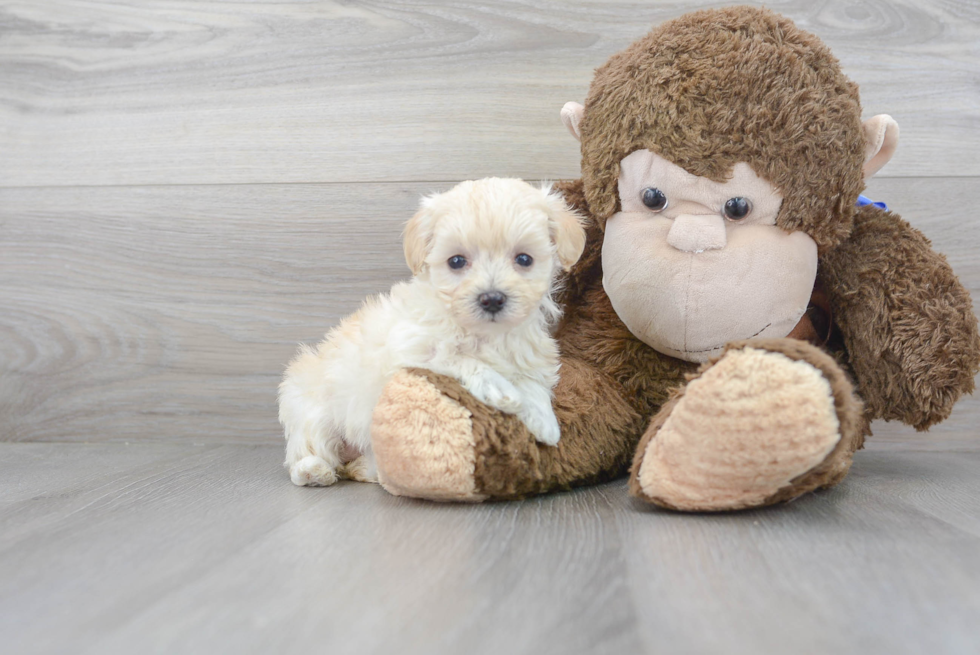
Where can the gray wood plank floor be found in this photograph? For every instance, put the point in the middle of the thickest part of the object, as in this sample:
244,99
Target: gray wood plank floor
171,548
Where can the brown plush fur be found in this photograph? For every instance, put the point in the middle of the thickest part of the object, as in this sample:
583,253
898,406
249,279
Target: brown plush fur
907,323
713,88
706,91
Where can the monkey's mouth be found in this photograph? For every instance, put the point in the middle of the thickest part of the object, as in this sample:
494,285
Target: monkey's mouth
708,350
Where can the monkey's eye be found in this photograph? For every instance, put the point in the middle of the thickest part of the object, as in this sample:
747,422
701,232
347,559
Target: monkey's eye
737,208
654,199
457,261
524,260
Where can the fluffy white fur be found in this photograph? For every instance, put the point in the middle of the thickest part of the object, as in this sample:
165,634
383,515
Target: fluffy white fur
435,321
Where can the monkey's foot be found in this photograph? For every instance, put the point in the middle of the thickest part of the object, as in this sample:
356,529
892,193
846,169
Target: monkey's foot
765,422
423,441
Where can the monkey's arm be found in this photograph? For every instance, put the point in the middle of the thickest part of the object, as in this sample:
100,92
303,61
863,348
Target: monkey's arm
907,322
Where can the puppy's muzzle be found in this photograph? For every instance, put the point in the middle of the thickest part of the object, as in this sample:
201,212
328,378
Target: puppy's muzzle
492,301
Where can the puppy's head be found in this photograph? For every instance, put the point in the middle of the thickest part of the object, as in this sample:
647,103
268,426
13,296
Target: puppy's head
491,248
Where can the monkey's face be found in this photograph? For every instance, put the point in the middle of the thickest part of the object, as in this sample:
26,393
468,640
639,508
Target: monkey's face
691,264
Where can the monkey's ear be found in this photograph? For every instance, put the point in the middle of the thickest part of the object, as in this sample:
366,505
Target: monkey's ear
417,236
571,116
566,227
880,142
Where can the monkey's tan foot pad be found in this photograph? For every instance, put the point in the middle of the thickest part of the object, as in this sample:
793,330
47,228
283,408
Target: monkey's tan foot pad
423,441
755,427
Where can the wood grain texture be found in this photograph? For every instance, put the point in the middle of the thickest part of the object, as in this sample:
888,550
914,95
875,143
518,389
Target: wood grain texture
177,92
168,313
188,189
120,549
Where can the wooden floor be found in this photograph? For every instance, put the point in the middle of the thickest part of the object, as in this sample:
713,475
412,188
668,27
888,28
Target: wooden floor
188,189
171,548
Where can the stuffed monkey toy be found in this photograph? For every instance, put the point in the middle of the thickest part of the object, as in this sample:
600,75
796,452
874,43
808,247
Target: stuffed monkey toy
737,319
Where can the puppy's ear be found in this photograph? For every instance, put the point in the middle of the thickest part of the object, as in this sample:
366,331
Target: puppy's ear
566,227
417,236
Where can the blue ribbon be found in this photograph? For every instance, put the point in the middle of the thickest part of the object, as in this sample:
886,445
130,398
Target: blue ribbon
864,200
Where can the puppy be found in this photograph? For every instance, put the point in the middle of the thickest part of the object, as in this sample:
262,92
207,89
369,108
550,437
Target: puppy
484,258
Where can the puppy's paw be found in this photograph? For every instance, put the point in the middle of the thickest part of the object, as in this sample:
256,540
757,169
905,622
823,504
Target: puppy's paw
362,469
495,390
506,400
542,423
312,471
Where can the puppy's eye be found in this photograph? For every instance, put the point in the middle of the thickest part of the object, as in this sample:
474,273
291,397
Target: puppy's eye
654,199
524,260
737,208
457,262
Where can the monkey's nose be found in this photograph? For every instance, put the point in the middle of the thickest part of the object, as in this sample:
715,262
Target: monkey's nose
492,301
696,233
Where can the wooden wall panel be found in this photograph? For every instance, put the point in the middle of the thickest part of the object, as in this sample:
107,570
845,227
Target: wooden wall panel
179,92
168,313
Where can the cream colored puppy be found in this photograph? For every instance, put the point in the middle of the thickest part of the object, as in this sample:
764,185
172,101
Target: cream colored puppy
484,256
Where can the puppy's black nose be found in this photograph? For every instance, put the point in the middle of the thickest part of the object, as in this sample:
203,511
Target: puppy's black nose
492,301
